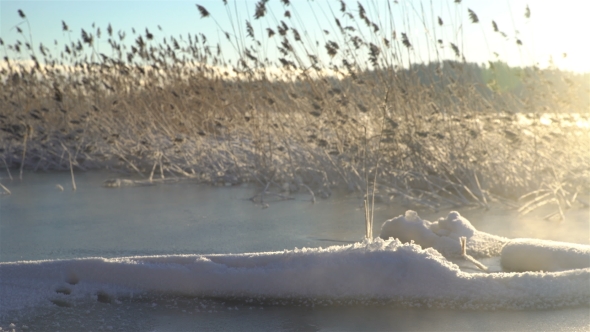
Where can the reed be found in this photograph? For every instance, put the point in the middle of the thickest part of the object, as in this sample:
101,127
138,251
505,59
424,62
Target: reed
6,190
310,114
469,258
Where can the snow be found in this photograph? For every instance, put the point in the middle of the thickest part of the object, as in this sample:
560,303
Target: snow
543,255
516,255
379,270
443,235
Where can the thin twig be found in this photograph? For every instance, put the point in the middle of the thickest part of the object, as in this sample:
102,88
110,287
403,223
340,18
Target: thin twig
310,192
5,189
463,242
7,168
22,163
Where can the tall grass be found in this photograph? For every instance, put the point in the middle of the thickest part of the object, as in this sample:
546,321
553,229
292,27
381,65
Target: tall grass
357,105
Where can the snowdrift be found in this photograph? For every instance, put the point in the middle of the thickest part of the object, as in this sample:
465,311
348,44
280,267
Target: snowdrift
381,271
377,271
541,255
517,255
443,235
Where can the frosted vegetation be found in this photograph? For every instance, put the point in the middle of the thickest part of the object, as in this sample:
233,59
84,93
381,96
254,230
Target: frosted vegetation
310,115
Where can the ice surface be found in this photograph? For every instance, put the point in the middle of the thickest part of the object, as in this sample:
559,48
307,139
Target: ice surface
378,270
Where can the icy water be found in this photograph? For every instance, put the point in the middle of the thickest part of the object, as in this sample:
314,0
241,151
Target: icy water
40,222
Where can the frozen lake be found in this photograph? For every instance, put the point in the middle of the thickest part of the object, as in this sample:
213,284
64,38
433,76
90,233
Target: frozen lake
40,222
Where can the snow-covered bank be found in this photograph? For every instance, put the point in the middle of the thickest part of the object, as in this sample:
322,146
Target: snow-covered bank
383,271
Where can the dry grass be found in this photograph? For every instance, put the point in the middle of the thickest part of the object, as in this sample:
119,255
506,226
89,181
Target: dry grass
448,134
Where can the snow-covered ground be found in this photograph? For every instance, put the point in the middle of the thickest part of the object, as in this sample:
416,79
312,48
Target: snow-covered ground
377,271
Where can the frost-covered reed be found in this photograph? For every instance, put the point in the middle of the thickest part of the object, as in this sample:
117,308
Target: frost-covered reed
450,133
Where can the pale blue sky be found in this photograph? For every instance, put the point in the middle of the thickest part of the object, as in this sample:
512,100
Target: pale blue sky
553,29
